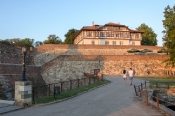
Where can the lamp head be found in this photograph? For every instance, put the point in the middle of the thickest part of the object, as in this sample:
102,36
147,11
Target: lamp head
24,50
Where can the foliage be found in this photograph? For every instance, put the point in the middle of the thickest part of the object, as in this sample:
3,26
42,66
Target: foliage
27,42
148,37
38,43
169,34
69,36
53,39
70,93
161,81
6,42
133,50
161,51
146,50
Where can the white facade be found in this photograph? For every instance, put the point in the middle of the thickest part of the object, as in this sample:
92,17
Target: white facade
109,34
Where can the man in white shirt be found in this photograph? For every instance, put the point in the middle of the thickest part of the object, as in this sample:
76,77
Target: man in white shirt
131,74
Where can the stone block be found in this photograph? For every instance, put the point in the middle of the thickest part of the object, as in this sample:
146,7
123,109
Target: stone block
23,93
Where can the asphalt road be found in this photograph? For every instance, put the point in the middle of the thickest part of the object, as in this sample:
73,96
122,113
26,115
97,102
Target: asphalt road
114,99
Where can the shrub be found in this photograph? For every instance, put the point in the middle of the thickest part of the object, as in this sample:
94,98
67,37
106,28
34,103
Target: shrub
133,50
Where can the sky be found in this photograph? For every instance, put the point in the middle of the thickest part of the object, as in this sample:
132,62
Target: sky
37,19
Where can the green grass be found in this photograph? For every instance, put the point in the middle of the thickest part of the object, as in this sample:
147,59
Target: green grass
70,93
162,82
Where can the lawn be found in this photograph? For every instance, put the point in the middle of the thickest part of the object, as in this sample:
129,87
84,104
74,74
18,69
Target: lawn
70,93
160,82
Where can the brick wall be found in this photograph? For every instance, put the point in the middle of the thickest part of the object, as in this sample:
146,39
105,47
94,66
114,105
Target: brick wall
11,65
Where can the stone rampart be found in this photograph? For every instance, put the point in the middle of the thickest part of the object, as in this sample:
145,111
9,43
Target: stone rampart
46,53
73,67
11,66
63,62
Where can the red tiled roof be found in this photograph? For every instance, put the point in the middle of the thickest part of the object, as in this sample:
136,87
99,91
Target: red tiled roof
114,24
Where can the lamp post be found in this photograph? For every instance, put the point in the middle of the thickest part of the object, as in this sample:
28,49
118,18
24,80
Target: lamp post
24,51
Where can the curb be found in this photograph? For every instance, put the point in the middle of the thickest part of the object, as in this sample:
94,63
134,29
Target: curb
7,102
12,110
57,101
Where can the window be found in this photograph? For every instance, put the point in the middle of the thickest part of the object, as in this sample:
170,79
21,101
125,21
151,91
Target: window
112,34
101,34
121,34
97,34
133,43
137,35
109,28
106,42
121,42
89,33
117,28
128,35
117,35
93,42
113,42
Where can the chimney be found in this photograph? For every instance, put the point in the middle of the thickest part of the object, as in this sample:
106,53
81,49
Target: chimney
93,23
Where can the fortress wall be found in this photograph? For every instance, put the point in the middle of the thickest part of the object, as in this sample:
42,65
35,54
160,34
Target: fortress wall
62,62
46,53
73,67
11,65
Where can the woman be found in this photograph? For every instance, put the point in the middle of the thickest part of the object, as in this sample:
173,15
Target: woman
124,76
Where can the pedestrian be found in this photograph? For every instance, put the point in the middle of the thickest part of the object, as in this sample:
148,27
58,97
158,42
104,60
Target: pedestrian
131,74
124,76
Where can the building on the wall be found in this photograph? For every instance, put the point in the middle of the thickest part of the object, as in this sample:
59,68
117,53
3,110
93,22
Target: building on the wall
108,34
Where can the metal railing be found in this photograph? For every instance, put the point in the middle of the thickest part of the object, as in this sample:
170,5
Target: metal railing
54,89
140,87
158,103
153,100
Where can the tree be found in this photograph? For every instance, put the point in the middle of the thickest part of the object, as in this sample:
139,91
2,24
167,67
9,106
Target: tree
169,34
38,43
53,39
6,42
148,37
69,36
27,42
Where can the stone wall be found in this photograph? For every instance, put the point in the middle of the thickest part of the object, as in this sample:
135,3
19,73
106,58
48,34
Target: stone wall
73,67
46,53
63,62
11,66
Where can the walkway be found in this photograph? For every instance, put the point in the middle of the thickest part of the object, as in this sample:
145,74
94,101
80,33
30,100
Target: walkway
114,99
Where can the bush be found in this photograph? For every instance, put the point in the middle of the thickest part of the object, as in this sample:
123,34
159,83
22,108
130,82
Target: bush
133,50
161,51
146,50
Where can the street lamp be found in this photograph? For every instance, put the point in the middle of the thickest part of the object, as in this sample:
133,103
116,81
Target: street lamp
24,51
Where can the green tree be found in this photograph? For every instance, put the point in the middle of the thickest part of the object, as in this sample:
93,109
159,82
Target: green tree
169,34
53,39
38,43
6,42
148,37
27,42
69,36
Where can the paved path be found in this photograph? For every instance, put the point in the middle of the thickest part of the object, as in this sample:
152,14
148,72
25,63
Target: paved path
7,107
114,99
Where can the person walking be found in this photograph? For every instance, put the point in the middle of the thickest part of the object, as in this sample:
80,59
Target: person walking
131,74
124,76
